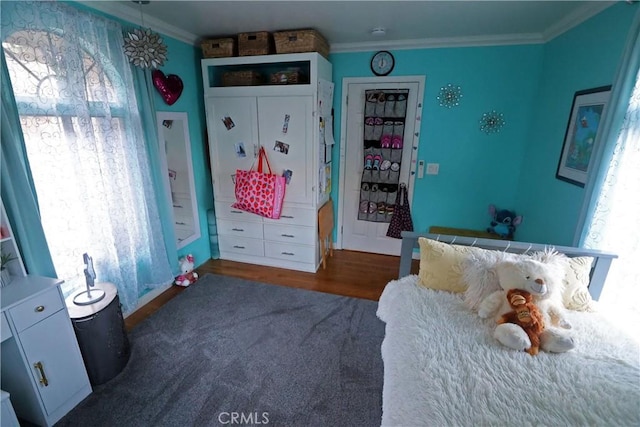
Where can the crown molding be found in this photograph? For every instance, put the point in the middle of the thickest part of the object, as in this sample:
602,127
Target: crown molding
502,40
132,15
576,18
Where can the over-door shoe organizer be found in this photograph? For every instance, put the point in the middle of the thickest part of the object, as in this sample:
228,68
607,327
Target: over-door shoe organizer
384,122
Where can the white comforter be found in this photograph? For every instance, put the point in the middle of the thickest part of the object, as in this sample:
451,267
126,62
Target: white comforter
443,368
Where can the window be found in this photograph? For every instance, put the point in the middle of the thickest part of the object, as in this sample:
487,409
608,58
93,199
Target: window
85,146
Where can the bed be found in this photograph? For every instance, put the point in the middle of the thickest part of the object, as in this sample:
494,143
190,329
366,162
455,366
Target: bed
442,366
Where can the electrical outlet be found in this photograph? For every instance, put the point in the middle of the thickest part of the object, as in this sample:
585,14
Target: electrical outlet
433,168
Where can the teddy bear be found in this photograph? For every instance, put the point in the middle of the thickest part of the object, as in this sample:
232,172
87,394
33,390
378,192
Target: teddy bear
525,314
187,275
544,282
503,222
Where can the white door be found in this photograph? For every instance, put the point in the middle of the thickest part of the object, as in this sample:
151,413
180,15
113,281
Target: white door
233,122
284,129
366,235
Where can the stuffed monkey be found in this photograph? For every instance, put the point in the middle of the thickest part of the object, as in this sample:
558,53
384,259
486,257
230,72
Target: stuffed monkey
526,315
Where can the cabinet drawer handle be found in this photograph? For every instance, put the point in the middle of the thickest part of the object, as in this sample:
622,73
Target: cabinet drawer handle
287,235
239,212
239,247
40,308
237,229
288,253
286,216
43,378
181,223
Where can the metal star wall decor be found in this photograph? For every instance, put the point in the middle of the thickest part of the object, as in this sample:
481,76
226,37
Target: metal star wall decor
145,48
450,96
492,122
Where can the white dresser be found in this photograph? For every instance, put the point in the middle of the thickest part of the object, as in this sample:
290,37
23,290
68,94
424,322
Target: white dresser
240,120
42,367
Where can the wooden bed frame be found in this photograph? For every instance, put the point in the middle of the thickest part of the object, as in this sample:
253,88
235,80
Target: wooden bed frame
599,269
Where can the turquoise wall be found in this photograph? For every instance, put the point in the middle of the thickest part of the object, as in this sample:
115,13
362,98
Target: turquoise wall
533,85
184,61
476,169
582,58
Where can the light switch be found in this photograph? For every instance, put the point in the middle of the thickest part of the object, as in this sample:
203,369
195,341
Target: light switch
433,168
420,168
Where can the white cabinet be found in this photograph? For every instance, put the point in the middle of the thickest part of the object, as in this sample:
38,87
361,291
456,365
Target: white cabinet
42,367
284,120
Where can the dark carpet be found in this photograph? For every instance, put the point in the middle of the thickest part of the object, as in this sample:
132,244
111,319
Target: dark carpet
228,351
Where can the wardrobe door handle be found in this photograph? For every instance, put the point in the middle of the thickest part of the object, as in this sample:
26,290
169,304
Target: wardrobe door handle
43,378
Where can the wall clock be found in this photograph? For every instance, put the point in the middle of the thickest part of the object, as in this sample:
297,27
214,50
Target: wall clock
382,63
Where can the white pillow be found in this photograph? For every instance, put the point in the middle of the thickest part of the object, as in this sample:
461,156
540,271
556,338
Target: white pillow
481,280
575,295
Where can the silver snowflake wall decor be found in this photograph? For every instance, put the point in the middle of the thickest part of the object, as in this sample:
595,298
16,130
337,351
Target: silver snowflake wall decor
450,96
492,122
145,48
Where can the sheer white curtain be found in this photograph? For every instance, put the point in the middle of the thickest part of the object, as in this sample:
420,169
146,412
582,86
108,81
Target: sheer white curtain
75,96
615,224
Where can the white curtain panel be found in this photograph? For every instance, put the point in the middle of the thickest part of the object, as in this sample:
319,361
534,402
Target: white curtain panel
76,98
615,224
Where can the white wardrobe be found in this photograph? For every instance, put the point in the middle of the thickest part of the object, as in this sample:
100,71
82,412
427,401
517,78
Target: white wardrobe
285,120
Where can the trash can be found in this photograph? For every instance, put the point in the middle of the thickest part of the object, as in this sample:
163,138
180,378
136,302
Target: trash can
101,334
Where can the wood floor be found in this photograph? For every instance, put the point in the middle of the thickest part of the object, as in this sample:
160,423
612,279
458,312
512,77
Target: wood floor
348,273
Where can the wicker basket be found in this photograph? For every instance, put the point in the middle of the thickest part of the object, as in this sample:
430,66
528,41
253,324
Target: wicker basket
254,43
218,48
241,78
287,77
297,41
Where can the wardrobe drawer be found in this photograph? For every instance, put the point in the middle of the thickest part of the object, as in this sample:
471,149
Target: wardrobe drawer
290,252
290,234
182,206
241,245
295,216
241,229
36,309
224,210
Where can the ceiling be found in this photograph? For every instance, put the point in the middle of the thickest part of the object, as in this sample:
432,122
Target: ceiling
347,25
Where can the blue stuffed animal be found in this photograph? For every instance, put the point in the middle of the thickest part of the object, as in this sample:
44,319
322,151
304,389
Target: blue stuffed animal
504,222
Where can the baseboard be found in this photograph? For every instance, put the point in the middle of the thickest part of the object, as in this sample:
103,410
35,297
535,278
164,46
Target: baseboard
148,297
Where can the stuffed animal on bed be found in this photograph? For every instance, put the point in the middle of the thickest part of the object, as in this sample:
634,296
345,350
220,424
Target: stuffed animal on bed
187,275
503,222
544,282
525,314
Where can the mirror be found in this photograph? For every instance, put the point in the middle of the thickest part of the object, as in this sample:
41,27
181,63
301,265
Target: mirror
175,155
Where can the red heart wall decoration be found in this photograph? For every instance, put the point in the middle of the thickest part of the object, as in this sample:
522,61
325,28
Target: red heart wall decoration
170,87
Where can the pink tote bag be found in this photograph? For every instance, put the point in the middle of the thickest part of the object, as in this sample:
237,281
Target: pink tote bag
259,192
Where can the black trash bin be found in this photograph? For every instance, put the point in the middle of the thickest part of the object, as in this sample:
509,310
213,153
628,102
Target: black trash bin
101,334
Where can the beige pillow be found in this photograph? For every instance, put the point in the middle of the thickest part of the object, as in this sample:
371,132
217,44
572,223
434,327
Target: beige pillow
442,265
575,295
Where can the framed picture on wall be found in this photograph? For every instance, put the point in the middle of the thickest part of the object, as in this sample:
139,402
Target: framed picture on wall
582,135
